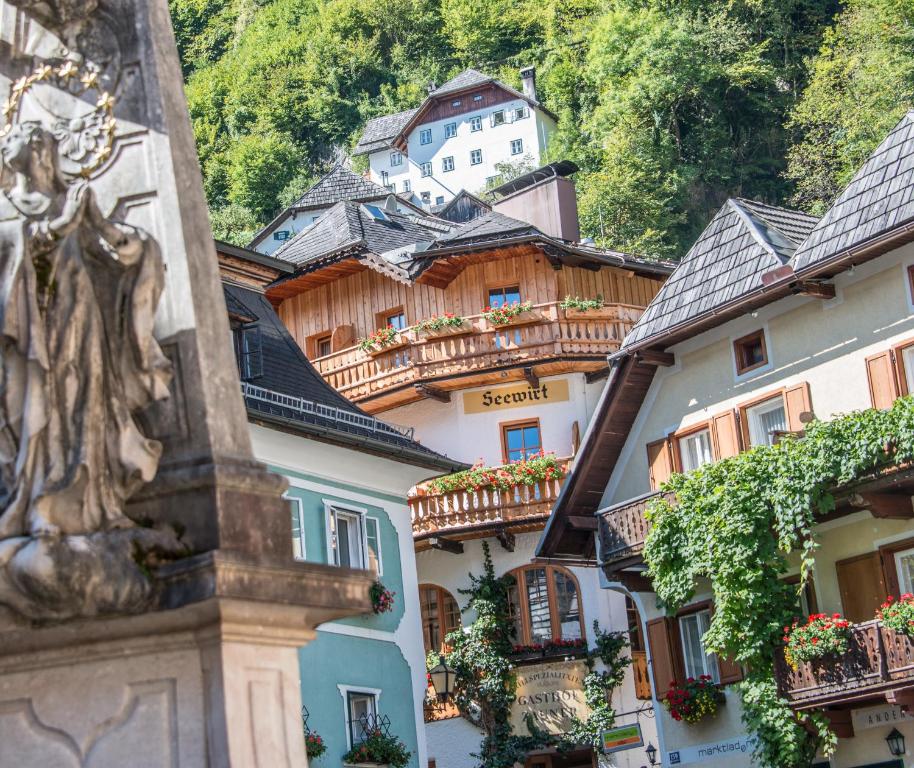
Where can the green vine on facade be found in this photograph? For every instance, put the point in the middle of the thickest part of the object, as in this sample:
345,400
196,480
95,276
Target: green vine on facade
486,681
735,522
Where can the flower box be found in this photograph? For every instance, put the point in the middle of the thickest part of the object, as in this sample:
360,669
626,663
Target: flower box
598,313
448,330
396,343
521,318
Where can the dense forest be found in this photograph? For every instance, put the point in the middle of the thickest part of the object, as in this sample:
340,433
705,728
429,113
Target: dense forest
668,106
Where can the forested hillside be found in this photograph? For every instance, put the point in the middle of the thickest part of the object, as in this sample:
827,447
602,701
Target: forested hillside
668,106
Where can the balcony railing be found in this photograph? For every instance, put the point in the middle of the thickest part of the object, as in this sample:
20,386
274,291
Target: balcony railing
623,529
460,511
359,375
878,661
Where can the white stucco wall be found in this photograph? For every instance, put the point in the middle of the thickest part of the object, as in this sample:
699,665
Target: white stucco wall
494,142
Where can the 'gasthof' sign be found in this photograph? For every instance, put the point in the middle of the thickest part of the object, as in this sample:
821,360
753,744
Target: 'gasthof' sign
553,694
499,398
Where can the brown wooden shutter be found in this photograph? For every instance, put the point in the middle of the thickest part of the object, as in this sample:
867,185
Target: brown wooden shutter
889,572
660,462
730,670
342,338
880,371
660,642
862,586
797,402
726,435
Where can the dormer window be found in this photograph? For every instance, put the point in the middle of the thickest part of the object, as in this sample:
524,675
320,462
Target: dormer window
248,351
425,136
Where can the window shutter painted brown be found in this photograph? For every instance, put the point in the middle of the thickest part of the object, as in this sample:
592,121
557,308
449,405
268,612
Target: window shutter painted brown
797,402
660,462
726,435
343,337
880,371
730,671
889,572
663,662
862,586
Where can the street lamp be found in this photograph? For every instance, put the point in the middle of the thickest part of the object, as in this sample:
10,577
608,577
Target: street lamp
651,753
443,679
896,743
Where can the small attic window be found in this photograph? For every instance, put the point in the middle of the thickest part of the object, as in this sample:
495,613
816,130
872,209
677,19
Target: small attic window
751,352
376,213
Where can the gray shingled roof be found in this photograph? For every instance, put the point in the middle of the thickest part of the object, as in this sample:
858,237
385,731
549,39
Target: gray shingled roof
489,226
743,241
380,130
348,224
340,184
287,371
466,79
878,198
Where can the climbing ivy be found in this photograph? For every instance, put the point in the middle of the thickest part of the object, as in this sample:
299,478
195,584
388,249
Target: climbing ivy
486,682
735,522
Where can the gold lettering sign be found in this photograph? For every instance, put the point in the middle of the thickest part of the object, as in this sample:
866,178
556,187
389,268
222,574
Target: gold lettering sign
552,693
499,398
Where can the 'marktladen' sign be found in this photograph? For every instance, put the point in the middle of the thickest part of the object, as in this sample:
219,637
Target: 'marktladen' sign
552,694
517,396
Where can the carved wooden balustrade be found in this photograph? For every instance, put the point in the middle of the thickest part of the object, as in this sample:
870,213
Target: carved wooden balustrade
463,511
359,375
879,662
623,529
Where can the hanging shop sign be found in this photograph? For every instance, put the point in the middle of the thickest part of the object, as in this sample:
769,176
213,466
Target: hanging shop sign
501,398
621,738
552,694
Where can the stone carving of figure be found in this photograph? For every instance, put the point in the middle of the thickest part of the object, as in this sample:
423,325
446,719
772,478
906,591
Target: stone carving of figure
78,360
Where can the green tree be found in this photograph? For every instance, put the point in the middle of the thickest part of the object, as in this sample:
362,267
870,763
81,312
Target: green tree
862,82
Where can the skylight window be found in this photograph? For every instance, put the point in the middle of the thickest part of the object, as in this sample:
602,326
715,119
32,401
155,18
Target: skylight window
376,213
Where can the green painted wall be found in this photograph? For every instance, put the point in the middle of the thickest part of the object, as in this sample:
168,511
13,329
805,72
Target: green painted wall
332,660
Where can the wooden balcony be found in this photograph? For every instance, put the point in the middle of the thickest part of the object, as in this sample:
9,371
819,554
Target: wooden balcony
623,529
472,514
555,343
879,663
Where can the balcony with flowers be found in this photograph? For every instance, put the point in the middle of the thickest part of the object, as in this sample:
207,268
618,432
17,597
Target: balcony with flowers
516,496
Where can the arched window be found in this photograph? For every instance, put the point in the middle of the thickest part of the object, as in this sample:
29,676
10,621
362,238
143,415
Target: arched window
545,605
440,615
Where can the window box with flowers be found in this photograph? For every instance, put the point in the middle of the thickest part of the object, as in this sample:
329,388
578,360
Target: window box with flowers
538,468
694,700
382,599
378,750
555,647
576,308
511,314
898,615
820,637
382,340
441,326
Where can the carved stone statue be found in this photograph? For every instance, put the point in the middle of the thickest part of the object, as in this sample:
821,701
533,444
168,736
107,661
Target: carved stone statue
78,361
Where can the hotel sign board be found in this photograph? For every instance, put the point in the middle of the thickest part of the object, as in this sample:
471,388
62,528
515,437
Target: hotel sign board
552,694
623,737
518,396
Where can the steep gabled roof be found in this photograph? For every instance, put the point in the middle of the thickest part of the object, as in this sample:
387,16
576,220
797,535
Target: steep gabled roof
744,241
466,79
379,131
489,226
288,378
340,184
878,198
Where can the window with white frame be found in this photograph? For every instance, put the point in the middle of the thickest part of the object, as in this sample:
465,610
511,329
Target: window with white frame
904,567
517,146
426,169
696,660
476,123
347,540
396,158
907,359
766,421
297,510
520,113
406,185
475,156
425,136
450,130
447,164
498,117
695,450
362,710
373,540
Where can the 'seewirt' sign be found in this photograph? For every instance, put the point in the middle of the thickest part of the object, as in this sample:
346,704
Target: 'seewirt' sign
498,398
552,693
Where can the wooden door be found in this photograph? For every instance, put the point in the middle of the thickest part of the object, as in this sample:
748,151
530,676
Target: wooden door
862,586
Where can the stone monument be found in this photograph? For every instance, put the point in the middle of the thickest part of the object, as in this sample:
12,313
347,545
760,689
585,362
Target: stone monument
150,608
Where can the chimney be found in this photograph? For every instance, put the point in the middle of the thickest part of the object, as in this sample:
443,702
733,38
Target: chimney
544,198
431,87
528,78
